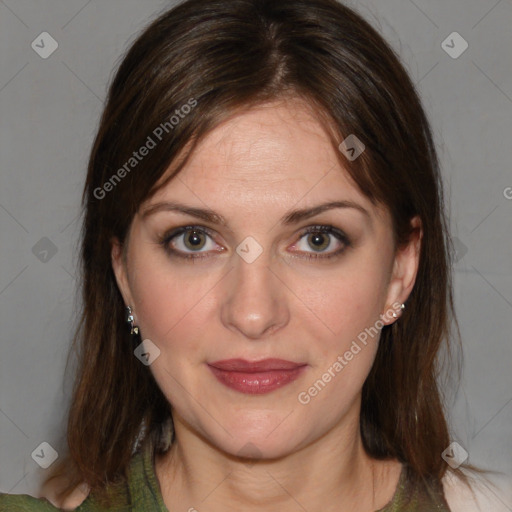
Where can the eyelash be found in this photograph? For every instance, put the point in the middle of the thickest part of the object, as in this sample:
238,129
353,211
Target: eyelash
331,230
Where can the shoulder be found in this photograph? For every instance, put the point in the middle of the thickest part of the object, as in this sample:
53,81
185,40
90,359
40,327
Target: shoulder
48,503
484,494
70,502
24,503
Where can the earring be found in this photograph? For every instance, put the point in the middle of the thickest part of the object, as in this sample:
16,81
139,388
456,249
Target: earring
134,330
402,307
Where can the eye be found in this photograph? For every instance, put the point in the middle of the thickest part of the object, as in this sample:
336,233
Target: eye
195,242
189,242
322,239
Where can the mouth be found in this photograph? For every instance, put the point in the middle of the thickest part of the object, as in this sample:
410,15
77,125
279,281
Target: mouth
256,377
265,365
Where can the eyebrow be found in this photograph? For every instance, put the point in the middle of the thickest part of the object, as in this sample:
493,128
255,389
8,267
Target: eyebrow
289,218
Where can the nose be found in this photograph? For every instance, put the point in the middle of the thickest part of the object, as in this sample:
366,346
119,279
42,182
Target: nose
255,299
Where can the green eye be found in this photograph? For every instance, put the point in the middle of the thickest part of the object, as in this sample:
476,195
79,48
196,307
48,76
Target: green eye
194,239
321,238
189,241
196,242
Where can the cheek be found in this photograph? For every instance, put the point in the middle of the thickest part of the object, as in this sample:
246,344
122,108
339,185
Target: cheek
171,302
341,318
182,301
345,301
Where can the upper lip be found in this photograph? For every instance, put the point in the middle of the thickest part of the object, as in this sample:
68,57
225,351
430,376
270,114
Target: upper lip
265,365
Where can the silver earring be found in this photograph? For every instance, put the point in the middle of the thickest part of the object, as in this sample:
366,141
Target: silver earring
134,330
402,307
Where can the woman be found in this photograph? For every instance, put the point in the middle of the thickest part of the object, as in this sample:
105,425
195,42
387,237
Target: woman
266,282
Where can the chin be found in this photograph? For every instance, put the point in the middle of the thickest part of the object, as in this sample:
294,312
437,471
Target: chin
256,449
262,444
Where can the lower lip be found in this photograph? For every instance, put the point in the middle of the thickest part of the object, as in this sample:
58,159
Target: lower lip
256,383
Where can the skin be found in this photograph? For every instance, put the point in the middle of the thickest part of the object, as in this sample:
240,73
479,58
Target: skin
253,169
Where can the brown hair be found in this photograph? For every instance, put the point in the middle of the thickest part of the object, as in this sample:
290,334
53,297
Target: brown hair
220,57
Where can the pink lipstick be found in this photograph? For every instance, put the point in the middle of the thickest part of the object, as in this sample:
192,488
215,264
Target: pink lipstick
256,377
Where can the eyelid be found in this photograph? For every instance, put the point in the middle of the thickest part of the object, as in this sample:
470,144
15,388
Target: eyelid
328,229
167,237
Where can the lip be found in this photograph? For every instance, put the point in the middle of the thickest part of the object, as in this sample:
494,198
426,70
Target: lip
256,377
265,365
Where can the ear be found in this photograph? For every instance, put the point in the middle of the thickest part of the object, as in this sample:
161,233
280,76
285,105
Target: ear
119,265
405,269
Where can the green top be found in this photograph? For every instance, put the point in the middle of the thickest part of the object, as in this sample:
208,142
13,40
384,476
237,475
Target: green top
141,493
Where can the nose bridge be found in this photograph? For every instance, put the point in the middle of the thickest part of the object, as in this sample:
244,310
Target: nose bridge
255,302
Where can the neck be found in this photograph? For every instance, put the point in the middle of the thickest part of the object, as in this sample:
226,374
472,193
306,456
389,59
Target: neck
331,473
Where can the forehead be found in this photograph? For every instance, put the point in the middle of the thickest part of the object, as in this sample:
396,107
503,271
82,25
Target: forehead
270,156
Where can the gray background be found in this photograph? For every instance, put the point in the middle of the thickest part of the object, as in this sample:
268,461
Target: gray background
49,113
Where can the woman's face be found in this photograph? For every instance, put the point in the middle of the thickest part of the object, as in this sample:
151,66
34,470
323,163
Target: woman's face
260,286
